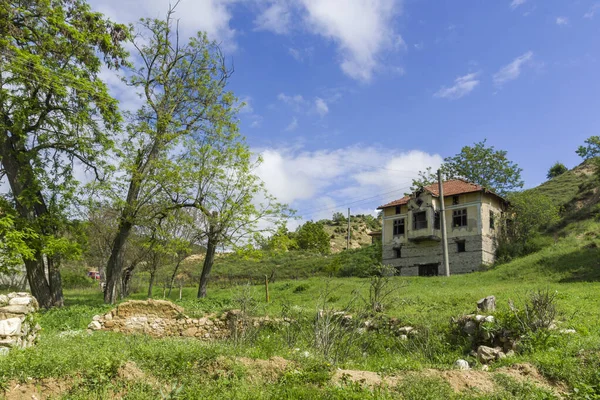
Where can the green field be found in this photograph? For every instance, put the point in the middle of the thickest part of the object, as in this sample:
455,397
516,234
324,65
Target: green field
92,365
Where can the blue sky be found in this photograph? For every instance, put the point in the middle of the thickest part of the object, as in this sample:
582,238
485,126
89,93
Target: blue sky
348,99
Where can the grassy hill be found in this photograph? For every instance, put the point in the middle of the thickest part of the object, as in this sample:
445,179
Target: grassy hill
360,227
566,189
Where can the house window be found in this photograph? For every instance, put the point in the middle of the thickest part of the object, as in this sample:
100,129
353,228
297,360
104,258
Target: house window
455,200
436,220
399,226
459,218
398,209
492,220
420,220
460,246
428,270
398,252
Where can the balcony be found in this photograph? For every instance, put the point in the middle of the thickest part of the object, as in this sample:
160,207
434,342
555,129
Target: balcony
424,234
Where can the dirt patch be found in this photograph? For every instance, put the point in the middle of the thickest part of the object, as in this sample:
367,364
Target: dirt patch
459,380
366,378
42,389
528,373
268,370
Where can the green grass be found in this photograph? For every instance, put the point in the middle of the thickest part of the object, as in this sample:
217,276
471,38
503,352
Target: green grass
571,267
564,188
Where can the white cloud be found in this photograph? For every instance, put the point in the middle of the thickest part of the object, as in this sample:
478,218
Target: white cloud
317,183
419,46
513,70
592,11
562,21
275,18
297,102
210,16
292,125
463,85
362,29
321,107
516,3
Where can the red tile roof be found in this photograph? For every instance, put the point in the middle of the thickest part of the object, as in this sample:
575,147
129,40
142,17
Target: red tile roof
451,188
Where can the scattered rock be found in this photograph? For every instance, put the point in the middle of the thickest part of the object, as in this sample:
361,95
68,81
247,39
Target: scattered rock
487,304
462,364
568,331
486,354
470,327
94,325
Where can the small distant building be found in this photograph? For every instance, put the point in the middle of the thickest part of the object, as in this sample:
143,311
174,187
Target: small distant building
375,236
411,234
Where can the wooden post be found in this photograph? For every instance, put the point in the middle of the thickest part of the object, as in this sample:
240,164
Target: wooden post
443,223
348,237
267,288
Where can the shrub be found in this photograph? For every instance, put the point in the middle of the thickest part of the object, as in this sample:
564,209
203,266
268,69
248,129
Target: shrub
556,170
301,288
77,280
538,312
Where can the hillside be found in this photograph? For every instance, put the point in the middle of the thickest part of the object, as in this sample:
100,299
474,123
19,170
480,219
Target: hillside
566,189
360,227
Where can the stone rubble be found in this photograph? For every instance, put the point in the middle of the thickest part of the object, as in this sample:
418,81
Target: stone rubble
17,325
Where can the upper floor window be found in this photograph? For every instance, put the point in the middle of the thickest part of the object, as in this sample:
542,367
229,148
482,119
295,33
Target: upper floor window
436,220
492,220
455,200
459,217
399,226
420,220
398,209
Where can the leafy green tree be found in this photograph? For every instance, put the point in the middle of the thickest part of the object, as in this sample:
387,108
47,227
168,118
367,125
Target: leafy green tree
338,218
183,90
485,166
312,236
557,169
54,112
527,215
280,241
591,150
480,164
229,203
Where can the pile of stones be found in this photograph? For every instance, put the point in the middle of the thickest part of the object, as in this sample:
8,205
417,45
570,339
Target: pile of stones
17,325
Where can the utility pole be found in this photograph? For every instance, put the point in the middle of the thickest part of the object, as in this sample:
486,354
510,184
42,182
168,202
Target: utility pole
348,238
443,223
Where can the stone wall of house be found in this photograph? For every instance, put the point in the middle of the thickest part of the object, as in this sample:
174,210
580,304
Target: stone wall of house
17,325
413,254
160,318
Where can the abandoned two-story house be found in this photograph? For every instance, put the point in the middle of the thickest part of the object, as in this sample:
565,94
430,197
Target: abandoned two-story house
411,234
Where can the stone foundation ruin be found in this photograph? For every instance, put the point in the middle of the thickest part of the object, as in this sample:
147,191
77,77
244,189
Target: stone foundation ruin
17,325
161,318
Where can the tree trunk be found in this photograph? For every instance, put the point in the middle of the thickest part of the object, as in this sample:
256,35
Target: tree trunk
207,267
20,176
172,281
151,285
114,267
126,280
36,276
55,282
